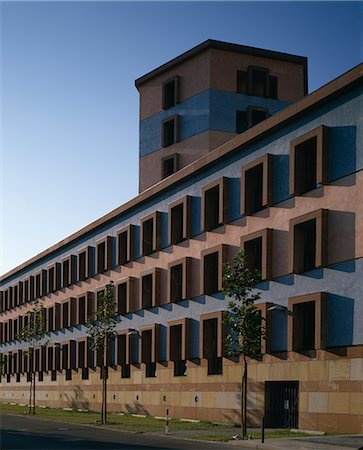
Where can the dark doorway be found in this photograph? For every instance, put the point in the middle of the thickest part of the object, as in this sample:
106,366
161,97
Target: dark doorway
281,404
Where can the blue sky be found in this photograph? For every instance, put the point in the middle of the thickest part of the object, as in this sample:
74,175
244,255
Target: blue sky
69,108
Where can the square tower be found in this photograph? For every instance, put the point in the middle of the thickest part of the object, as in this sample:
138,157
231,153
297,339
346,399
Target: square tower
206,96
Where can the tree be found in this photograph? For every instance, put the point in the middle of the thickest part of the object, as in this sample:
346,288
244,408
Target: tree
245,328
100,329
33,333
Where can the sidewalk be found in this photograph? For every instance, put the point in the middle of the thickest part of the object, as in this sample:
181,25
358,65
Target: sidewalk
340,442
343,442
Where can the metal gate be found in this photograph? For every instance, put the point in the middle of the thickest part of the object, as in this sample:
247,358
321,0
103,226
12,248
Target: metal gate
281,404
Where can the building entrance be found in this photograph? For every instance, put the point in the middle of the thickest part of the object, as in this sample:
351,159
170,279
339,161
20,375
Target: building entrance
281,404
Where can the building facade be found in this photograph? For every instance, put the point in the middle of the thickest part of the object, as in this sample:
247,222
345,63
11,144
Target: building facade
233,154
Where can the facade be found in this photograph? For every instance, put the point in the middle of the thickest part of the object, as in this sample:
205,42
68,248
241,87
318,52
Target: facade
233,154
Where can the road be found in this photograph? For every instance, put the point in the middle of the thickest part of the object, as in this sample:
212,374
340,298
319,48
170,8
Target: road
24,433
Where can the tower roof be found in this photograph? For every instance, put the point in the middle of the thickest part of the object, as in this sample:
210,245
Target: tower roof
226,46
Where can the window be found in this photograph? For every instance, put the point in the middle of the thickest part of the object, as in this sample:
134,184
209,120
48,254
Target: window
123,354
104,254
242,82
307,323
178,342
28,291
150,288
65,314
257,81
211,341
21,292
54,277
126,296
256,115
69,268
169,165
241,121
151,233
180,220
40,283
170,131
50,318
85,263
256,185
266,322
171,90
57,316
150,348
211,268
215,204
179,279
85,308
308,241
126,250
258,252
308,161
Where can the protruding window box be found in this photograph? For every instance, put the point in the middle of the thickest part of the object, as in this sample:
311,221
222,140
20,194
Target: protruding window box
151,233
308,161
212,337
307,322
126,250
104,254
256,185
308,241
180,220
179,279
258,252
150,288
215,204
212,261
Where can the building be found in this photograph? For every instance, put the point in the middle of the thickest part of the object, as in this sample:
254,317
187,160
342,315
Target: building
233,154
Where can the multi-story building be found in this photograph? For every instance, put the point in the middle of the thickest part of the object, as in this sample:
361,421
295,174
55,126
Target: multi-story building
233,154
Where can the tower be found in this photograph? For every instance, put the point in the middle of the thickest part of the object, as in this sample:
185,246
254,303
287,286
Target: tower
206,96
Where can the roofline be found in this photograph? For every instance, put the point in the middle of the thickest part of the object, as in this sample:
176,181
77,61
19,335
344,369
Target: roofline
244,139
220,45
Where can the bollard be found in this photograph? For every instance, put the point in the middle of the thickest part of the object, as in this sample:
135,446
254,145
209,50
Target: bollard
167,422
263,429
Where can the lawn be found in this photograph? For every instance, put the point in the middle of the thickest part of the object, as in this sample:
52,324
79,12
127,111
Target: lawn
125,422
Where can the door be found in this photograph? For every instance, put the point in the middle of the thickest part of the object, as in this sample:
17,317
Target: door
281,404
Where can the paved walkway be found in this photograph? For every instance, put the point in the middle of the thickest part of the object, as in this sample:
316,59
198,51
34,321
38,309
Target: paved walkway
342,442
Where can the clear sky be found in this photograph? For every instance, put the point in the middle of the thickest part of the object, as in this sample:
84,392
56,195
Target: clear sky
69,108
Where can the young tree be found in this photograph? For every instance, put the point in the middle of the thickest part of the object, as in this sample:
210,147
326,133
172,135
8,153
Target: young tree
100,329
243,321
33,333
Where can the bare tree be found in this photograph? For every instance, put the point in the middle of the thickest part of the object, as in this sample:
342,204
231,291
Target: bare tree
245,328
100,329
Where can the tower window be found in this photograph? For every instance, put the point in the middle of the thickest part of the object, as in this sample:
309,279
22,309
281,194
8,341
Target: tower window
258,81
242,82
241,121
169,165
256,115
171,92
170,134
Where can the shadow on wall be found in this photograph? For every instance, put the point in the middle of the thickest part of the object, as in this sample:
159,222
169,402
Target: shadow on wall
77,400
339,321
136,408
341,230
342,152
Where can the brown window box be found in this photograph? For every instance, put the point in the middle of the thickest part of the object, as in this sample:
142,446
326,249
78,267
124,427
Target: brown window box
215,204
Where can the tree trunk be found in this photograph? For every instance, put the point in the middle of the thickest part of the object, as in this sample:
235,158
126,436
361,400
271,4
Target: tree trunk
34,392
30,393
105,393
244,399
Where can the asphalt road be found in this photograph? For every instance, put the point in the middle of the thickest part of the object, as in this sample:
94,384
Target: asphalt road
27,433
